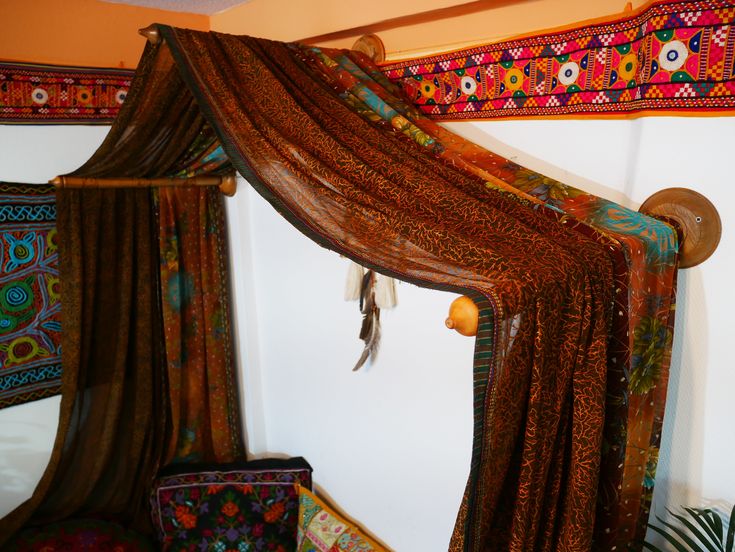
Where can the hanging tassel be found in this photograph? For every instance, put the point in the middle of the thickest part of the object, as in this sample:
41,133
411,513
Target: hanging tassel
370,330
355,274
385,292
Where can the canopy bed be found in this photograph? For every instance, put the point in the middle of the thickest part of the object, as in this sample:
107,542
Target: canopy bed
574,295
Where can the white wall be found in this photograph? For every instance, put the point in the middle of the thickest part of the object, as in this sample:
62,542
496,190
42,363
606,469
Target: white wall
390,445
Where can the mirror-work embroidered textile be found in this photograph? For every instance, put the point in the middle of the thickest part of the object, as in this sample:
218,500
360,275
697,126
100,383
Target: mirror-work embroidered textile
46,94
670,56
30,307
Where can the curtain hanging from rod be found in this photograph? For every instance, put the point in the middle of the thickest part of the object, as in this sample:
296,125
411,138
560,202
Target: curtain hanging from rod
359,172
137,265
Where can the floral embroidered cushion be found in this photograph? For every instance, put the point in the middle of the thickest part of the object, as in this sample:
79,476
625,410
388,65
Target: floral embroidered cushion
83,535
321,529
245,506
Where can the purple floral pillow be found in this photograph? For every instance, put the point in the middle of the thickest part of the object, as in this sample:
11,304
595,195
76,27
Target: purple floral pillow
249,506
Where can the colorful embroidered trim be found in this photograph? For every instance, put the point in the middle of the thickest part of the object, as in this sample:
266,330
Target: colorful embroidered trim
47,94
673,56
30,330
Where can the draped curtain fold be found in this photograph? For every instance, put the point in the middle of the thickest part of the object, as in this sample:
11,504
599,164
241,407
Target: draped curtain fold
112,420
149,374
202,387
377,197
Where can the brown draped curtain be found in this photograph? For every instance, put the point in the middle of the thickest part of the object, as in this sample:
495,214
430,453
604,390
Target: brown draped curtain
148,370
200,366
373,194
112,421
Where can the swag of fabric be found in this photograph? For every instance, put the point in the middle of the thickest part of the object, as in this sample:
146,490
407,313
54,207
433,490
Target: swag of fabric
148,374
560,277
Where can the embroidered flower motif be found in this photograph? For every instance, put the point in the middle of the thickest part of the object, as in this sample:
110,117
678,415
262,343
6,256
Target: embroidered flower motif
230,509
427,89
185,517
513,79
468,85
275,512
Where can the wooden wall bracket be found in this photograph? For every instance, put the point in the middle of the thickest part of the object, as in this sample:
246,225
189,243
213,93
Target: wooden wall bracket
371,46
698,218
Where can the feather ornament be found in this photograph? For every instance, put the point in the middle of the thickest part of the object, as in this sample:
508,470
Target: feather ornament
353,284
385,292
370,330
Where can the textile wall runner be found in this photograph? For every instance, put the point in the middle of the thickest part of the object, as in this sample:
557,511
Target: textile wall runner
30,331
671,56
48,94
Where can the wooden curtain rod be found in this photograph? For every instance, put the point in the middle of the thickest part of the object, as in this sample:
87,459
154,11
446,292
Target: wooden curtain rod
227,183
429,16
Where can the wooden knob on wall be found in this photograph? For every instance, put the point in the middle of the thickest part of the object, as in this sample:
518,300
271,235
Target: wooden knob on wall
699,220
463,316
371,46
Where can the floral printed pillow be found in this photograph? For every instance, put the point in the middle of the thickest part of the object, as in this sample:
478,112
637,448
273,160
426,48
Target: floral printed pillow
322,530
244,507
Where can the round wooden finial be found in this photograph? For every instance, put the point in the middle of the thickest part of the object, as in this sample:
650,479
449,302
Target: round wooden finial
229,185
700,222
371,46
151,33
463,316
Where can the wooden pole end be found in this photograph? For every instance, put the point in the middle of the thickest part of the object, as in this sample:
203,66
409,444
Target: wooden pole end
228,186
151,33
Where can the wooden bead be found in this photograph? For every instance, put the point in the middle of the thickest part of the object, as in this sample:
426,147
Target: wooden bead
463,316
